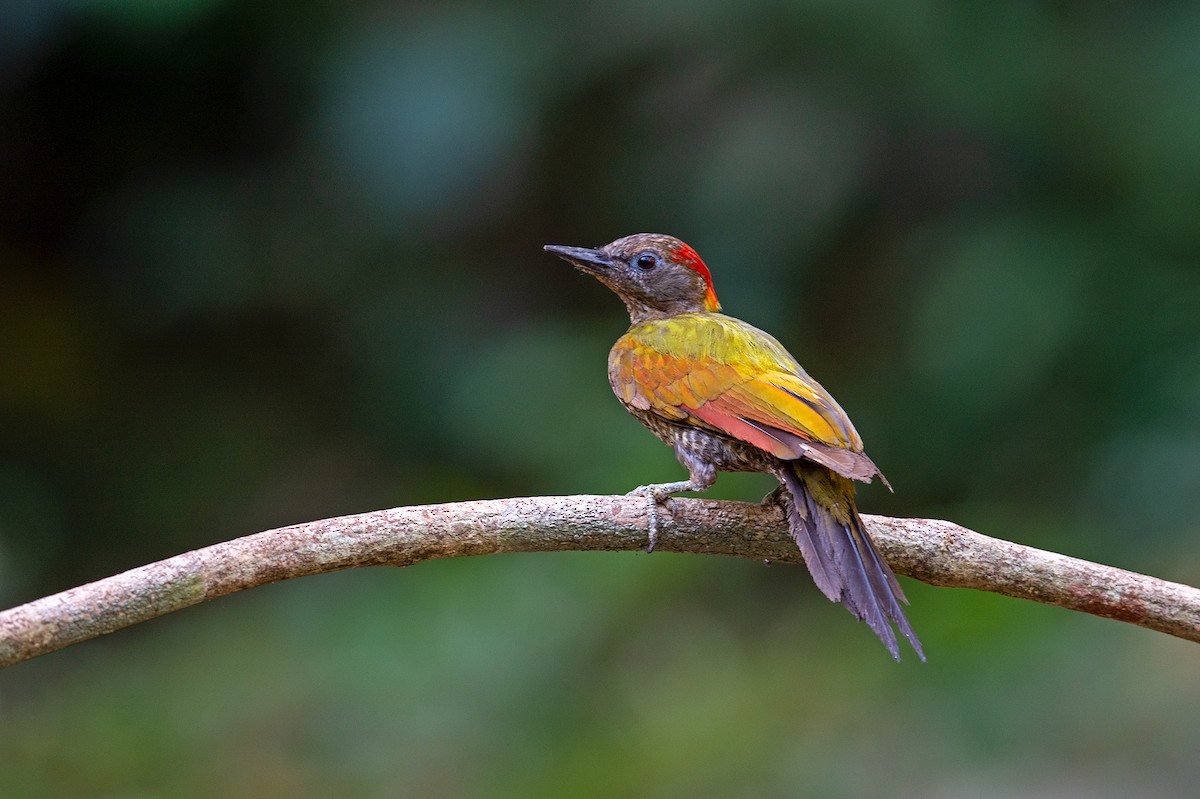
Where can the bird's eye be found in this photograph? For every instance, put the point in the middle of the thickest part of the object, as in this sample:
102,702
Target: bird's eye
646,260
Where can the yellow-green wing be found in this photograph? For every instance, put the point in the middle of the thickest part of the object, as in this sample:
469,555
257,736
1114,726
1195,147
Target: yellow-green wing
720,373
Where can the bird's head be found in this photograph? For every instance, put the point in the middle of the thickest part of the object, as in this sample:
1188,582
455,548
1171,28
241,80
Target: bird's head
656,275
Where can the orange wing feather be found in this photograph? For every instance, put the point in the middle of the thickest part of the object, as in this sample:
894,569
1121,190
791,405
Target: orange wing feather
695,368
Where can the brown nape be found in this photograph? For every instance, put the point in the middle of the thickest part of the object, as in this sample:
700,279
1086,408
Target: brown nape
649,275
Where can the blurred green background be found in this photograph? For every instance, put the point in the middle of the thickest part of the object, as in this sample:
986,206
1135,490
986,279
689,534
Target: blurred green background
268,262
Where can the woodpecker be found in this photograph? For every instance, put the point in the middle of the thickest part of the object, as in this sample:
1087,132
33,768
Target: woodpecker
727,396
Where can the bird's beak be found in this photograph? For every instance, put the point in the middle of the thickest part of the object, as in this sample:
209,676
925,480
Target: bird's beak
582,257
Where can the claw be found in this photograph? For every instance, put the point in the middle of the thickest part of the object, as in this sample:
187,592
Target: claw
648,492
652,521
654,494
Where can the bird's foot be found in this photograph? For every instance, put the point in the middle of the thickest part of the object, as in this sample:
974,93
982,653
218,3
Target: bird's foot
656,493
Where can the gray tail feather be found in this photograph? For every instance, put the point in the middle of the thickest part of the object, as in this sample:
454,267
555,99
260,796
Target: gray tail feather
845,564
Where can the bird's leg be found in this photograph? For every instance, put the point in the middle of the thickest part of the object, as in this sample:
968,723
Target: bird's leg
701,475
656,493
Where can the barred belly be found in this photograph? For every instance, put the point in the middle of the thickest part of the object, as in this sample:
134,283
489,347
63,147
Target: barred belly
704,453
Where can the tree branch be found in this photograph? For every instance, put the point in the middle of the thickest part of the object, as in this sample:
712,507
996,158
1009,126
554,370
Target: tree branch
935,552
